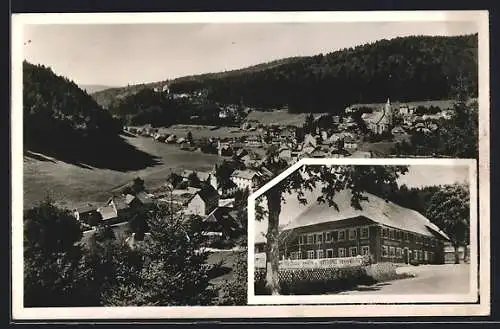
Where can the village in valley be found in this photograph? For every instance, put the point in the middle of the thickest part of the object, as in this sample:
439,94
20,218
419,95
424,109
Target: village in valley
241,158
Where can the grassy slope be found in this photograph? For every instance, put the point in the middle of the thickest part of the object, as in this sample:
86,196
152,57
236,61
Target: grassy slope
72,185
280,117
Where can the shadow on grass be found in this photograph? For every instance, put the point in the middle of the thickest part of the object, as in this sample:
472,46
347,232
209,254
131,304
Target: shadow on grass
113,153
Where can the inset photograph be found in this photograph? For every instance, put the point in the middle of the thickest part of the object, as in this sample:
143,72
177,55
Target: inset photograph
366,233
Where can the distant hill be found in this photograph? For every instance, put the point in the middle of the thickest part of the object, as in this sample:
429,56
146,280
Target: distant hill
415,68
107,96
90,89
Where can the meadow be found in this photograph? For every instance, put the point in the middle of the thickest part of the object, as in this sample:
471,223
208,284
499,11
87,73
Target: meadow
72,185
280,117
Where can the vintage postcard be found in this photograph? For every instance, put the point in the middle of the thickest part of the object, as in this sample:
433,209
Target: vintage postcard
157,160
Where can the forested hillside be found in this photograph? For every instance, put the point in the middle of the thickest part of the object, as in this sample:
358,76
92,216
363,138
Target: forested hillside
405,69
63,121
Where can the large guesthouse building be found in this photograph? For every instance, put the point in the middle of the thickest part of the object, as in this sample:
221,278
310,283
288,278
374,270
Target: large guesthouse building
381,229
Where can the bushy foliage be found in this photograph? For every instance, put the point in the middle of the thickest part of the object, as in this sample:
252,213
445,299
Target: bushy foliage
167,267
234,292
51,257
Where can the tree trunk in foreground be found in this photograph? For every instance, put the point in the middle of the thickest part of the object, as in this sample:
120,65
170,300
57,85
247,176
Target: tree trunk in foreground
457,254
272,246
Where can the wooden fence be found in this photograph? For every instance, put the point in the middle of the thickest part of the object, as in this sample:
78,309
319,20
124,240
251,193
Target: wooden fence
260,262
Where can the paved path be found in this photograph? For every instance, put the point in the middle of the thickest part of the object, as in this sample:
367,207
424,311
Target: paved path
429,279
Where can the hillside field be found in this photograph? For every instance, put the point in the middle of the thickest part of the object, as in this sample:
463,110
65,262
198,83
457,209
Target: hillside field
280,117
200,131
71,185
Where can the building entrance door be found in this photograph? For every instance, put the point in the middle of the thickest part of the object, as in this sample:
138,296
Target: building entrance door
406,255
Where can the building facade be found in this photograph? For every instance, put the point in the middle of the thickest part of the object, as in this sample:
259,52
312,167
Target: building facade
360,236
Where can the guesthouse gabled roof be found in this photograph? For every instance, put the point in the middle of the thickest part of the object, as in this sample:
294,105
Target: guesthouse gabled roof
375,208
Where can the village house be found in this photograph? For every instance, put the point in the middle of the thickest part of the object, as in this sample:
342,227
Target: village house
87,214
253,141
350,143
220,223
172,139
202,202
245,178
406,110
115,209
382,229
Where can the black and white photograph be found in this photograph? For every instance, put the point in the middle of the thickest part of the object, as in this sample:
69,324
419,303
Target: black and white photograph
142,142
375,232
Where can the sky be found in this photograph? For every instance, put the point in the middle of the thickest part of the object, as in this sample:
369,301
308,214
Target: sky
121,54
427,175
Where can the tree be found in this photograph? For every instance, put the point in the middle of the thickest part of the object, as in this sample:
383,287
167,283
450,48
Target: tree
193,180
189,138
309,125
174,179
174,270
138,185
449,209
109,264
223,174
331,179
52,257
460,135
234,292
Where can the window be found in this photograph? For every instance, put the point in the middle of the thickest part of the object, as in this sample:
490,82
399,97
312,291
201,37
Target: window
319,238
415,254
310,254
426,256
385,251
391,234
341,252
353,234
320,254
365,250
407,237
329,253
300,239
310,239
335,235
341,235
399,253
384,232
391,251
365,232
328,237
353,251
431,256
420,255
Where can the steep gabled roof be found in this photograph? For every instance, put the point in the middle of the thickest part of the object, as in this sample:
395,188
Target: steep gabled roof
208,193
375,208
107,212
245,174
